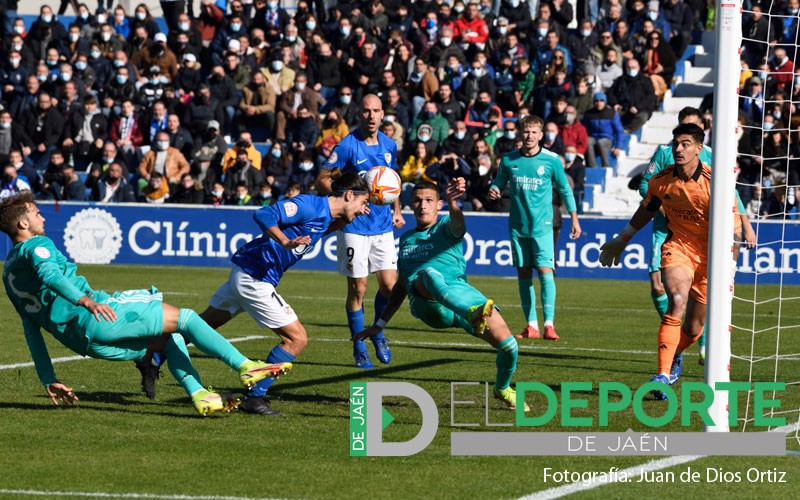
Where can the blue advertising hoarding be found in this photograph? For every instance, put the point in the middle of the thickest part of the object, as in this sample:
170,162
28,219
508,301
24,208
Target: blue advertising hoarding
208,236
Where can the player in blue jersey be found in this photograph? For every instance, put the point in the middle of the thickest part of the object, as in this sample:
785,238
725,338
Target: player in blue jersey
291,228
366,246
48,294
433,276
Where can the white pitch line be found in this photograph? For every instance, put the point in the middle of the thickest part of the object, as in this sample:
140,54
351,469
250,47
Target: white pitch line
633,472
100,494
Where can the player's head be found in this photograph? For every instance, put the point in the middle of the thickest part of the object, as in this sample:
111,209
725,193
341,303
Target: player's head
531,129
687,142
691,115
19,213
426,203
351,192
371,115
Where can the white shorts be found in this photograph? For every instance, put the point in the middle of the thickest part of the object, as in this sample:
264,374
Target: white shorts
257,298
359,255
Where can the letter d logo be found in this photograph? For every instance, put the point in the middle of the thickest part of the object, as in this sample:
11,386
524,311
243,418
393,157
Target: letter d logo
369,441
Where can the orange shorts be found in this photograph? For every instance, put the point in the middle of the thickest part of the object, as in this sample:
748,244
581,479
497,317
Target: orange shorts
675,253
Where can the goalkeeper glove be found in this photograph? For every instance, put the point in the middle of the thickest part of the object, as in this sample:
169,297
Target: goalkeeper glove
611,251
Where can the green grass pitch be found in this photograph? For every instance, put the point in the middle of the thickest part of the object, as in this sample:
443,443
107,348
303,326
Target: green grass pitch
117,442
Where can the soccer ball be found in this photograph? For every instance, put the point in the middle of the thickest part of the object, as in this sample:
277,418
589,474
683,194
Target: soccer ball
384,185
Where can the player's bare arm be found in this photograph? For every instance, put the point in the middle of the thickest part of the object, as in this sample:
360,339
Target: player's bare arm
397,216
749,233
575,230
455,189
323,182
611,251
395,301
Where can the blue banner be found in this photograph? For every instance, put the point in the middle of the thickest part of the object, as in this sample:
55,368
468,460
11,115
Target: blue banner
209,236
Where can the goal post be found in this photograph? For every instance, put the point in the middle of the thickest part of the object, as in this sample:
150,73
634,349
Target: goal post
720,258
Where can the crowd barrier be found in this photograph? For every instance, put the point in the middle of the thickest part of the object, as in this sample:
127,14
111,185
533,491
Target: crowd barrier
178,235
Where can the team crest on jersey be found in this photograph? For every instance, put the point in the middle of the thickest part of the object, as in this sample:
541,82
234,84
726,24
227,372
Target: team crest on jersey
540,171
93,236
290,208
651,168
42,252
388,158
333,157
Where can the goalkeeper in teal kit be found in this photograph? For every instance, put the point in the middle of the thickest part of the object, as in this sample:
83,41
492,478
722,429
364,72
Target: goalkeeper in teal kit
661,159
531,172
48,294
433,276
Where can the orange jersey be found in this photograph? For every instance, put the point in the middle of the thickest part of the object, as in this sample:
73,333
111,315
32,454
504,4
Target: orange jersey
686,205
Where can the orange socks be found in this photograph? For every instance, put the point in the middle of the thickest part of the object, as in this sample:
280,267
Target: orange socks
669,333
686,341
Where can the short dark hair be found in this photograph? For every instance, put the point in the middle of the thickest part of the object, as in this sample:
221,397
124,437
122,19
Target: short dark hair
689,111
689,129
425,185
348,181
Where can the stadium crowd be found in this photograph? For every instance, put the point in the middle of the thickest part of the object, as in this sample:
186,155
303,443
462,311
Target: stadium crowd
178,116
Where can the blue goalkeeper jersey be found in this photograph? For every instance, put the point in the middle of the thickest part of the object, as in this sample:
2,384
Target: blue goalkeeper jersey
265,259
353,154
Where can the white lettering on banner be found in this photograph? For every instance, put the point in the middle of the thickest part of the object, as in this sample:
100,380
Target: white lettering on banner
764,260
174,243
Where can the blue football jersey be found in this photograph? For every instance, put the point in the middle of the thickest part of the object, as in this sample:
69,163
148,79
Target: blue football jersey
352,154
265,259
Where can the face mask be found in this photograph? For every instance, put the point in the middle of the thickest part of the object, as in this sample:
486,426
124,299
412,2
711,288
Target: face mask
273,5
793,11
511,134
265,196
478,72
84,15
141,16
570,117
345,99
550,136
460,135
47,18
14,62
431,24
19,29
291,39
66,76
95,54
236,26
483,170
52,62
106,36
427,115
5,125
41,78
73,37
306,166
276,153
769,125
502,30
570,157
777,115
585,33
18,47
311,25
515,3
797,80
162,145
101,19
762,75
300,86
590,80
155,81
424,138
122,79
459,8
633,72
345,31
217,194
542,31
446,41
652,15
277,65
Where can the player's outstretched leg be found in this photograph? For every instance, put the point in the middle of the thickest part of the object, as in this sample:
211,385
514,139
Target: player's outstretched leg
500,337
548,284
528,301
380,341
456,295
197,331
180,366
256,401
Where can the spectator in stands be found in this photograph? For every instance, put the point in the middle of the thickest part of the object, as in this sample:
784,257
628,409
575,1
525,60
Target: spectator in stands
334,129
11,183
152,89
25,170
217,196
447,168
551,140
471,31
207,158
164,160
573,133
241,195
85,133
323,72
67,186
156,190
430,115
272,19
99,168
302,133
290,101
44,128
507,141
781,71
179,137
245,142
605,43
304,172
143,17
605,131
576,170
659,63
119,89
188,192
544,55
459,142
258,105
264,197
608,71
113,187
46,29
205,107
12,136
413,171
678,16
277,169
126,132
755,31
632,97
